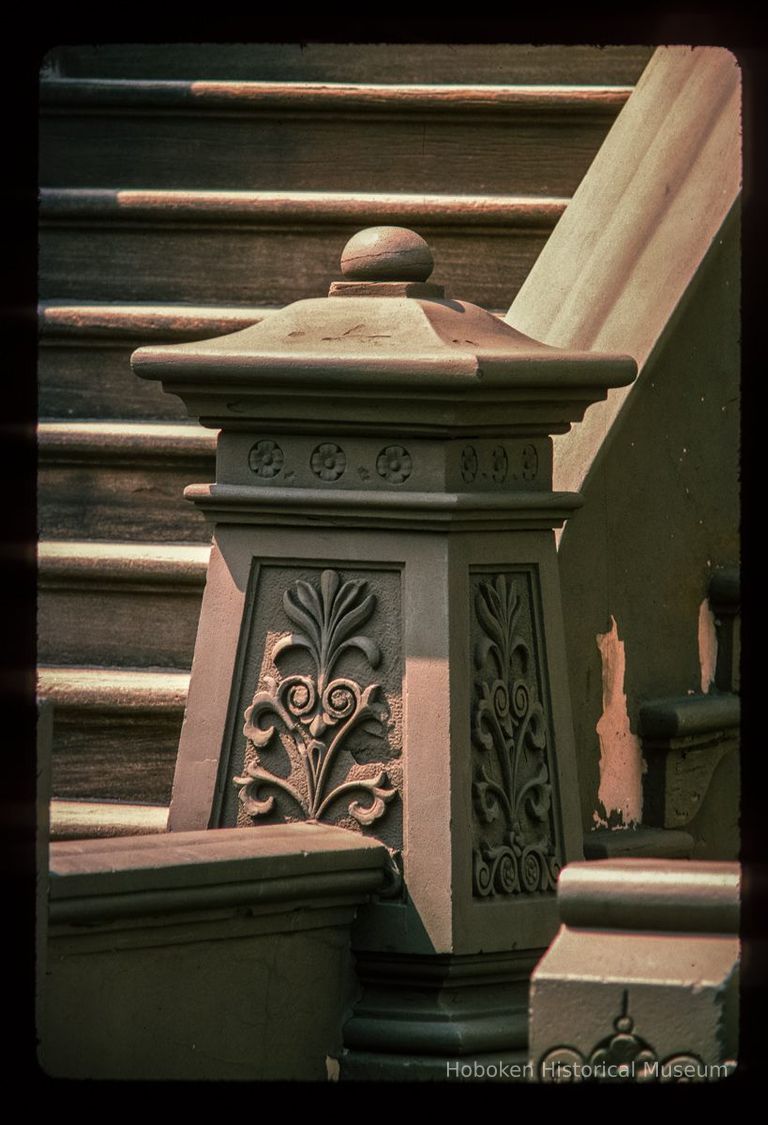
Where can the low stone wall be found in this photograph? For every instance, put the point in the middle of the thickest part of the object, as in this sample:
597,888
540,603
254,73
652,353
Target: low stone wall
219,954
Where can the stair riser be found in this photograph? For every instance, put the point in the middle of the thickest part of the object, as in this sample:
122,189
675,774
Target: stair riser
94,381
358,62
117,627
263,265
93,500
84,368
118,757
319,152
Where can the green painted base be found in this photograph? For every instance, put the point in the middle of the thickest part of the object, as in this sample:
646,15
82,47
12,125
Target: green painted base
440,1017
371,1066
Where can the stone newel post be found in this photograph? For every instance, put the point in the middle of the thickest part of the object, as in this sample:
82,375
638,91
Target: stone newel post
381,642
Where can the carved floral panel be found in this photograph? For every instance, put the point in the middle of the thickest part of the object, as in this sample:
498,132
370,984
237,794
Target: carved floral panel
321,726
516,848
624,1056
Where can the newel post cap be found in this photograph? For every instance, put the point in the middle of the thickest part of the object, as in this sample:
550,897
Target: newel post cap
395,347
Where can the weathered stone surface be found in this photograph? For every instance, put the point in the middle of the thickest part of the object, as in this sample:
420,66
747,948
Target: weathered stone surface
89,878
488,462
224,955
641,982
422,367
651,894
689,717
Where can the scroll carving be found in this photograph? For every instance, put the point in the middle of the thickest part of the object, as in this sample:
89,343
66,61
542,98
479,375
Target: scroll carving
515,846
316,713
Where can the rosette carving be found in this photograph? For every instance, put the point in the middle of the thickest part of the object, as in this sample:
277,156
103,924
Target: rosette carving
317,712
515,850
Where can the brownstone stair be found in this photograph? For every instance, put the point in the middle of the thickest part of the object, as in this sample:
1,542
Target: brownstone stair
85,349
186,191
257,134
122,603
121,480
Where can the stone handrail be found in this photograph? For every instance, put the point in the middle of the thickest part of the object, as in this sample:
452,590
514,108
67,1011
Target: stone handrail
625,252
645,261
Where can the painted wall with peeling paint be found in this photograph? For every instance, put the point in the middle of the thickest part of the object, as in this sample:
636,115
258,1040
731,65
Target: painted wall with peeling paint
620,793
707,647
661,514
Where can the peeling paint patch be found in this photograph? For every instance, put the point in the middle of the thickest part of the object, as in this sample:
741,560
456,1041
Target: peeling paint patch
621,759
332,1067
707,646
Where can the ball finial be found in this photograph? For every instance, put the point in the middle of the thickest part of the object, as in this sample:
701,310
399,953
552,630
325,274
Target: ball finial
386,254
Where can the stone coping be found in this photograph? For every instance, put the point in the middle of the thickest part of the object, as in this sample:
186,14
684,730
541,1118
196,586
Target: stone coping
651,894
98,879
689,715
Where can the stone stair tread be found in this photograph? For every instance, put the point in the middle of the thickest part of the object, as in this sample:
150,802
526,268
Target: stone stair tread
115,731
91,560
689,715
82,819
130,438
114,688
350,207
143,320
333,96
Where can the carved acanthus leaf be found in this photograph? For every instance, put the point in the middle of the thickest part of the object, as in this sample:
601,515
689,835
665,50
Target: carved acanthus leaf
316,712
515,850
